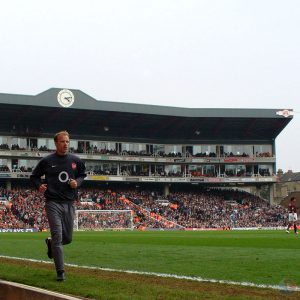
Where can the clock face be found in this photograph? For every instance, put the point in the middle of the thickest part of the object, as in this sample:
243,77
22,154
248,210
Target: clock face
65,98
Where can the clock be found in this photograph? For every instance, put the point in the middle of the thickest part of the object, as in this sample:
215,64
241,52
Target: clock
65,98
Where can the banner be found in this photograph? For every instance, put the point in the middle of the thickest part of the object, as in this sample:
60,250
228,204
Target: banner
5,175
19,230
98,177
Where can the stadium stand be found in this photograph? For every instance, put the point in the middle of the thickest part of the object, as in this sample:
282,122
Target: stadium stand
206,209
170,166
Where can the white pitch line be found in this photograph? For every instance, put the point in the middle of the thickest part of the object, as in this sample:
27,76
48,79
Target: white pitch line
164,275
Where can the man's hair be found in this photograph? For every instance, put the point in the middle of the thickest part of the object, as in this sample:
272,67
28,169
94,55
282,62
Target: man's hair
293,198
63,132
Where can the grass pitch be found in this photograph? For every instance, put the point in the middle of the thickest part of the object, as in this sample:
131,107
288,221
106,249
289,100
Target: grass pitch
260,257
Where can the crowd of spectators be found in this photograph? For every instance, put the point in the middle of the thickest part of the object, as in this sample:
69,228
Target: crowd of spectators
263,154
93,149
4,147
102,219
113,171
209,209
206,208
24,209
4,168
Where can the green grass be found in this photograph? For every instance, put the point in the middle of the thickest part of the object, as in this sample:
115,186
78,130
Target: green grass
261,257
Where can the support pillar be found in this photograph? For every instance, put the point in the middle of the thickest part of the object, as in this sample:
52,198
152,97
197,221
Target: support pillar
166,190
8,184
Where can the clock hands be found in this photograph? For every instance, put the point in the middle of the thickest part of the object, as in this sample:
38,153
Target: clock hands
69,99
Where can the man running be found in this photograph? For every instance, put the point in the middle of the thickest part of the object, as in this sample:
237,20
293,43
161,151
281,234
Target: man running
64,173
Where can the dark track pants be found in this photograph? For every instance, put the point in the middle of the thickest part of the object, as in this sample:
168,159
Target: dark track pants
61,218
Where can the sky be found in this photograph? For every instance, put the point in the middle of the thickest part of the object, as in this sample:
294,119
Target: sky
183,53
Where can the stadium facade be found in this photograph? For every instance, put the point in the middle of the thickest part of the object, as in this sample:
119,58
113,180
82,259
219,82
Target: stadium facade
135,144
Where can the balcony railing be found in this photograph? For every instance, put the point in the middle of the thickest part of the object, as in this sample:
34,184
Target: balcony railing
187,178
155,158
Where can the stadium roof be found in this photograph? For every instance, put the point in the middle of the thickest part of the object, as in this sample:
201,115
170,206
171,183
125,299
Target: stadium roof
88,118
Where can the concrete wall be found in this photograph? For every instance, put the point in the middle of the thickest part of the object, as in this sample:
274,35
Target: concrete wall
16,291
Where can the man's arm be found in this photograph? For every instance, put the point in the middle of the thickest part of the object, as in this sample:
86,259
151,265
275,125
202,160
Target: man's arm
36,175
80,174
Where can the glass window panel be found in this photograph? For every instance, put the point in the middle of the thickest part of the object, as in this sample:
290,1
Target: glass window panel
52,144
111,146
238,150
125,147
209,170
204,150
41,143
3,140
22,143
3,162
173,149
158,149
196,149
263,150
265,170
174,169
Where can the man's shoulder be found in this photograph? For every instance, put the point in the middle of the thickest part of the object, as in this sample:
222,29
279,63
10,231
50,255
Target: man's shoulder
48,157
73,157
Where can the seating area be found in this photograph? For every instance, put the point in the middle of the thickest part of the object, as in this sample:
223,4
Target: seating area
206,208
